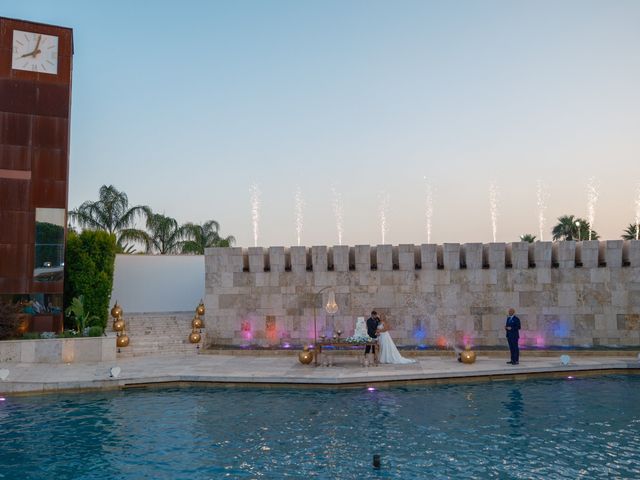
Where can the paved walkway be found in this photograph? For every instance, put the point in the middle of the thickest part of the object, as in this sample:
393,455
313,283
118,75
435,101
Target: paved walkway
286,370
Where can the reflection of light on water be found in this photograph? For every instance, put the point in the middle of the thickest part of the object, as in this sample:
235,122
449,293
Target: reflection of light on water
337,211
299,217
541,196
494,195
592,199
255,211
384,207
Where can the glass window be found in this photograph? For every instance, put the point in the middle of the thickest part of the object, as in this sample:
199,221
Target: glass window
49,246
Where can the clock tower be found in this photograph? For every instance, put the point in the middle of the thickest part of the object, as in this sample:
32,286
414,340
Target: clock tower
35,103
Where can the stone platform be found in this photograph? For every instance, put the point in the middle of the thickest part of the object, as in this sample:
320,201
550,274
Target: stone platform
285,370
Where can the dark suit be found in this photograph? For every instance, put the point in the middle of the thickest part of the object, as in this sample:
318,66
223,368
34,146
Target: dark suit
372,331
512,337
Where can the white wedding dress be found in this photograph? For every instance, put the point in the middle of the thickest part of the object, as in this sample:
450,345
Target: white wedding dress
388,351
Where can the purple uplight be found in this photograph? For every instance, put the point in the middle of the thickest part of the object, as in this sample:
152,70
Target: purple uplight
286,345
2,399
371,389
569,377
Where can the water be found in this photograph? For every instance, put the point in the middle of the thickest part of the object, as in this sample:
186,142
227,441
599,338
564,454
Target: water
494,196
255,212
537,429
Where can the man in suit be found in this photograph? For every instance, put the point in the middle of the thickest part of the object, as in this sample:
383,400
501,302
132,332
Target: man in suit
372,330
512,328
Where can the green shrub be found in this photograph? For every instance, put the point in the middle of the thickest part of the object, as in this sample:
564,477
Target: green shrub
95,331
68,334
89,263
31,336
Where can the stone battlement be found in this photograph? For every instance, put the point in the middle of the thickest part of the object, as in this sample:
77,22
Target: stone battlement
408,257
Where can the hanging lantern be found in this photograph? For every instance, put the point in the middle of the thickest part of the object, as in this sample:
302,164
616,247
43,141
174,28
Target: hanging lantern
332,306
116,311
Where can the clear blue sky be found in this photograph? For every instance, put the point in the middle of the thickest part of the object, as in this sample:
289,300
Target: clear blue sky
184,105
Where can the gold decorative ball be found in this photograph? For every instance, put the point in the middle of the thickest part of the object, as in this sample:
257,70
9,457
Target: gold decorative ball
305,357
122,341
195,337
118,325
116,311
197,323
468,356
200,308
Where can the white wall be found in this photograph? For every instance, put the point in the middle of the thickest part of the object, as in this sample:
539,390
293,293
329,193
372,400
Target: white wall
158,283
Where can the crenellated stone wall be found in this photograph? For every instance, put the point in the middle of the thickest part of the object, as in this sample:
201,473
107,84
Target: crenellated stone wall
566,293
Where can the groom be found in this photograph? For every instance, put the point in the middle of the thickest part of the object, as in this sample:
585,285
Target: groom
372,330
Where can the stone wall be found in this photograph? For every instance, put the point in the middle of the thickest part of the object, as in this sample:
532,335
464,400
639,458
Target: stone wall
566,293
59,350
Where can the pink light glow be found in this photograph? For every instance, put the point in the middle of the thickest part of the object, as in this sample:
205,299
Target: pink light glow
466,340
540,341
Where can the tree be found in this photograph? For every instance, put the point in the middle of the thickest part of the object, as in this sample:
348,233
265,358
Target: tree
88,271
164,234
198,237
112,214
631,233
570,227
527,237
80,315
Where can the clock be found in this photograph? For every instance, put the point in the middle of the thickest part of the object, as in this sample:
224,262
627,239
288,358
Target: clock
35,52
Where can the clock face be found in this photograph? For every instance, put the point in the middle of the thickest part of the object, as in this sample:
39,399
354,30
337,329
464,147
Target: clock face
35,52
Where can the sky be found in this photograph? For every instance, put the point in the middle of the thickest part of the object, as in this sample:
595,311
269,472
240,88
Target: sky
186,105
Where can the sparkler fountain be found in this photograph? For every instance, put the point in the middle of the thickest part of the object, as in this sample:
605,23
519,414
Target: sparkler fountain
542,196
494,195
337,211
299,206
255,211
592,199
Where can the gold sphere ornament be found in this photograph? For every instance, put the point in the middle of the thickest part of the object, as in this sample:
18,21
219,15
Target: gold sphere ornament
195,337
197,322
116,311
200,308
468,356
118,325
122,341
305,356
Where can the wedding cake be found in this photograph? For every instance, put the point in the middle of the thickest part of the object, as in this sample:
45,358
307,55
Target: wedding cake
360,333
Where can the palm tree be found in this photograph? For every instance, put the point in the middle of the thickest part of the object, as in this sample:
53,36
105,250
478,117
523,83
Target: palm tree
570,227
631,233
199,237
527,237
112,214
164,235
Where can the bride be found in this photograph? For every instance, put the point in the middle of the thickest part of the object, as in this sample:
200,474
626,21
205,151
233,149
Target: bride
388,351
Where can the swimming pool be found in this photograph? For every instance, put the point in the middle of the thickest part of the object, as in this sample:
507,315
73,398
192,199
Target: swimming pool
551,428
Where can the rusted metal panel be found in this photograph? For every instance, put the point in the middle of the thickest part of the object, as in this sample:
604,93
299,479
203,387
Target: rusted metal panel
50,163
34,143
14,157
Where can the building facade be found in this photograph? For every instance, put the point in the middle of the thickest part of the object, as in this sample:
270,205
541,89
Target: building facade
35,105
